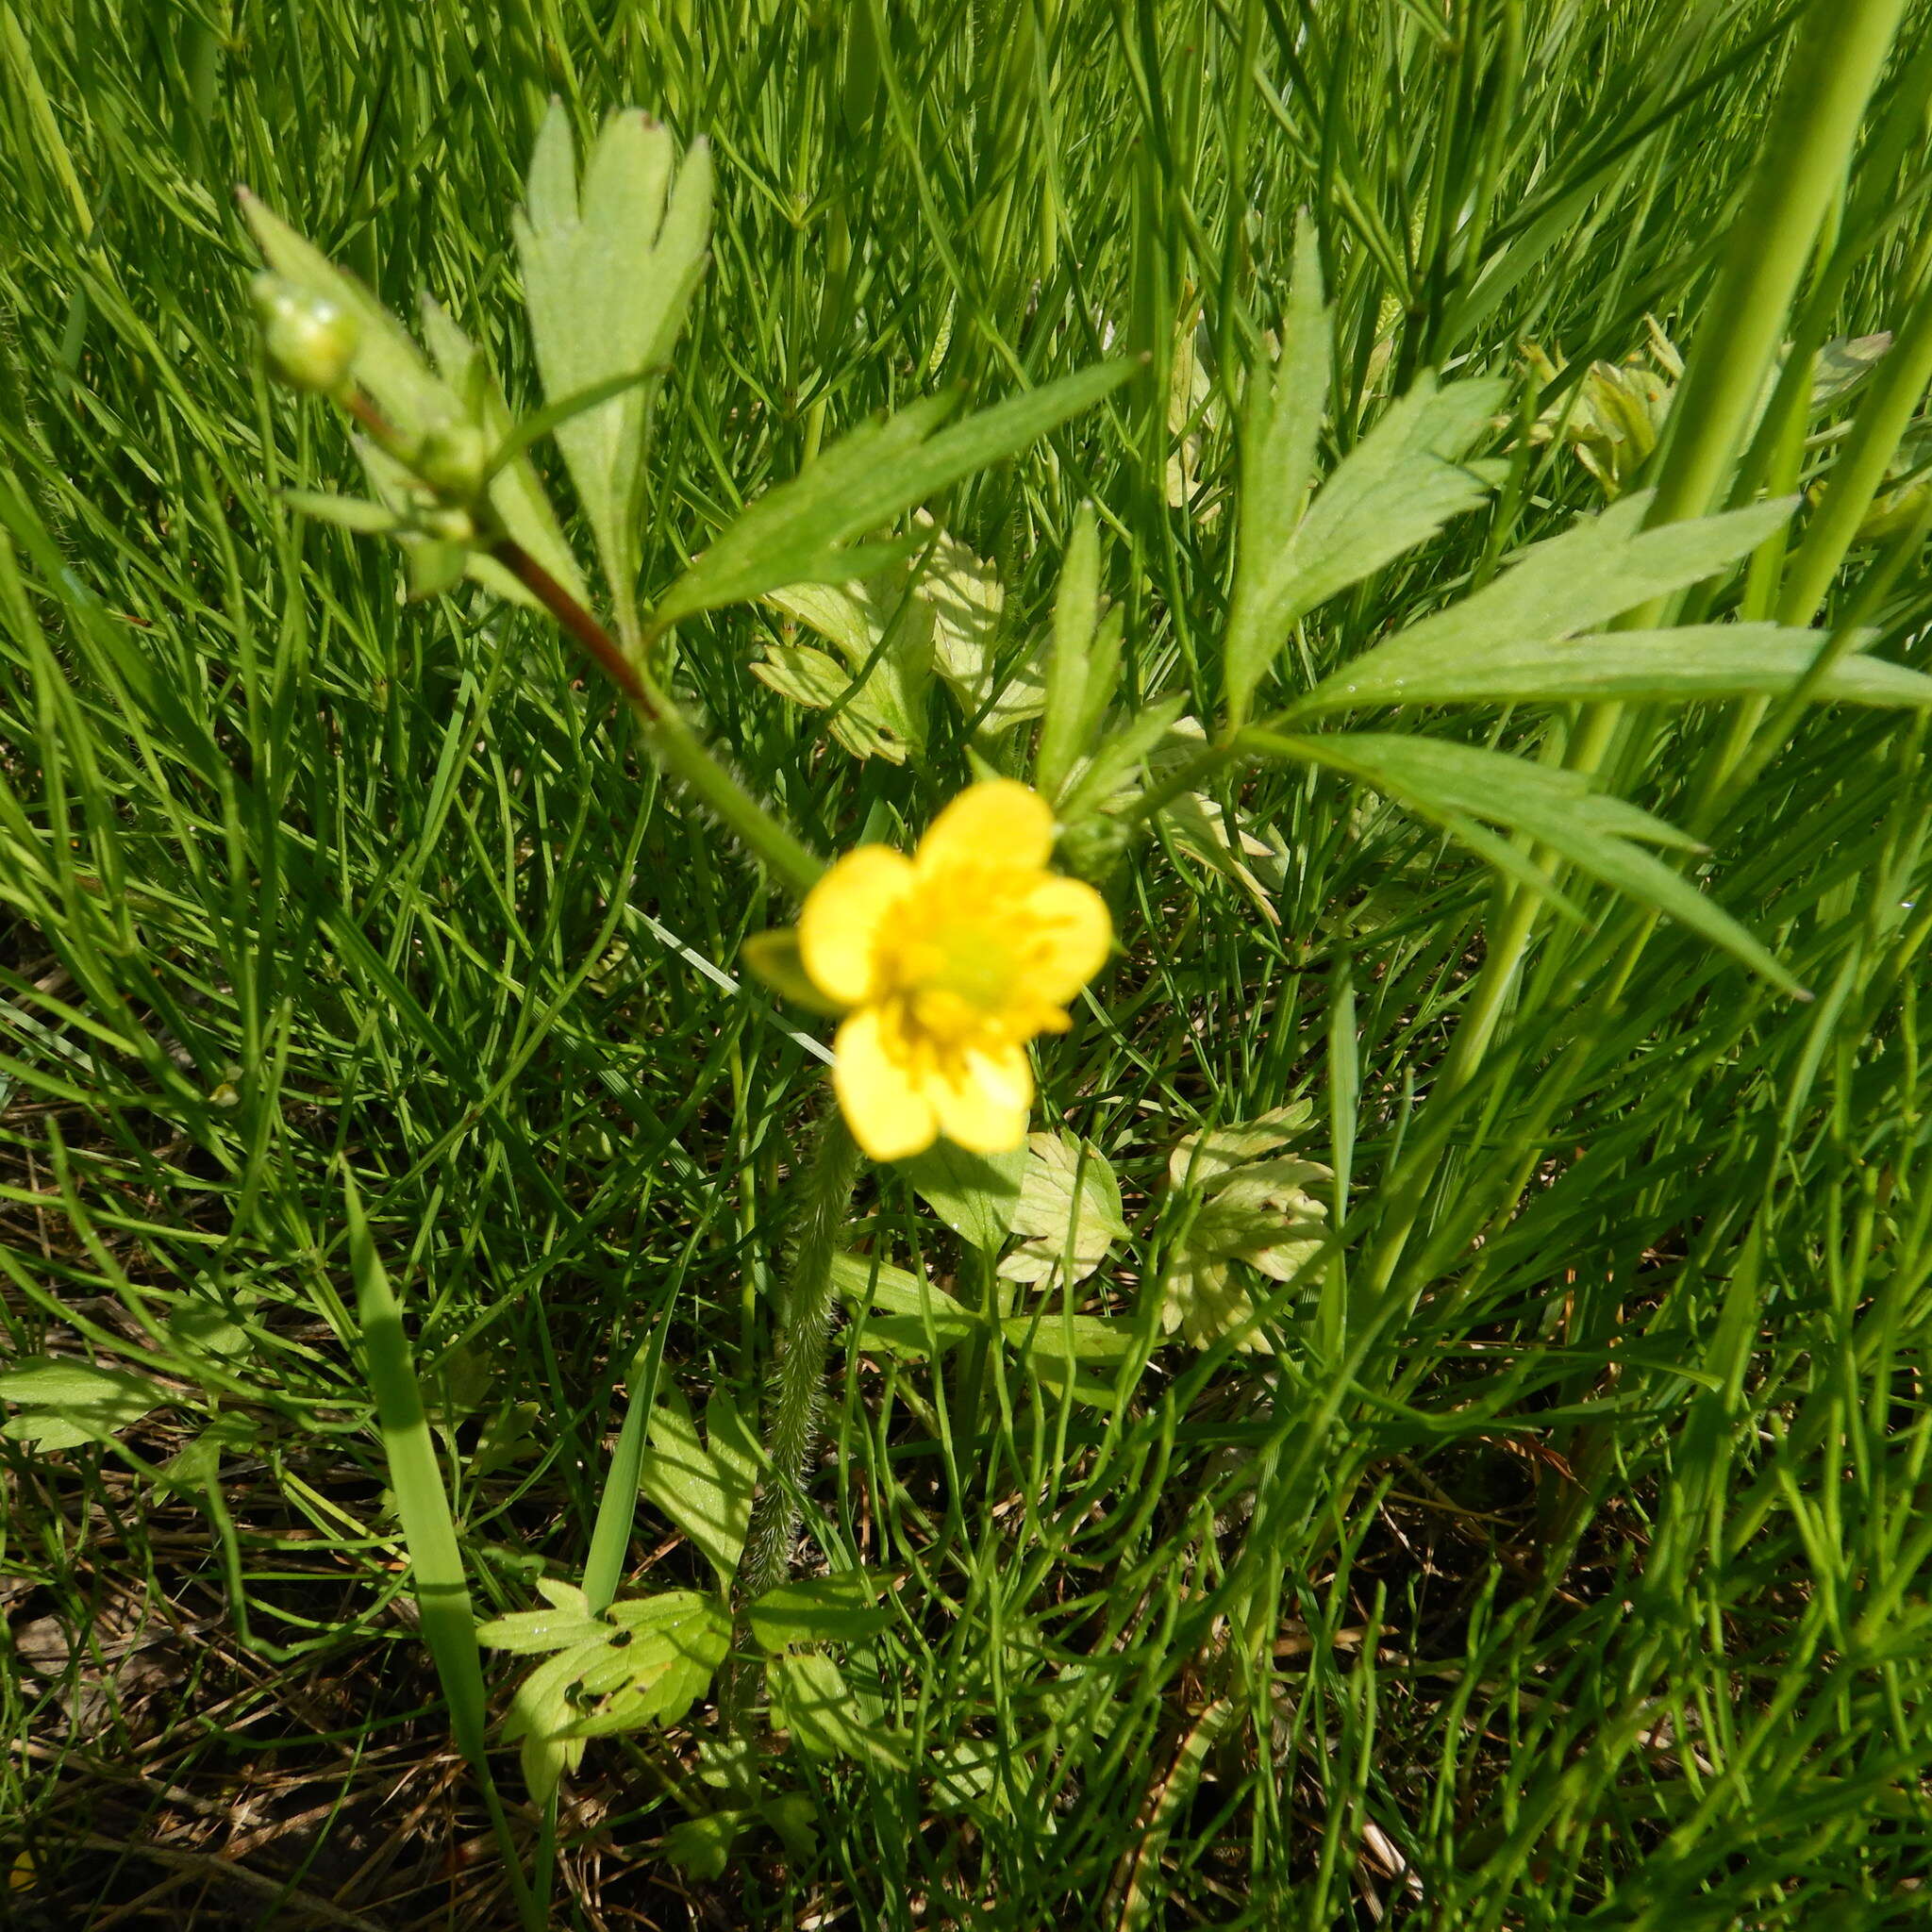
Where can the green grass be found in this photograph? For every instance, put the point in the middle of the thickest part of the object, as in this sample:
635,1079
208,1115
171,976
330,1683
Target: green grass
1566,1564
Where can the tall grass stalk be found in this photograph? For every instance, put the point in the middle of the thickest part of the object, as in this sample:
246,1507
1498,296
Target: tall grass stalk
1804,151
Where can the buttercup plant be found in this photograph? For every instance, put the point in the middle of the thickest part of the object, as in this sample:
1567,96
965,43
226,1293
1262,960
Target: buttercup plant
971,951
944,964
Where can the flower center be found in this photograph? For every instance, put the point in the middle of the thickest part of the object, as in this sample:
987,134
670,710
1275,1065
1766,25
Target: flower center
955,957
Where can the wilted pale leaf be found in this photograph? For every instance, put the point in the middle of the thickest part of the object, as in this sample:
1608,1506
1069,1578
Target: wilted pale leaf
1275,1240
1842,363
968,602
868,723
1205,1301
1202,1158
885,717
1192,413
1064,1242
1258,1213
851,616
1198,828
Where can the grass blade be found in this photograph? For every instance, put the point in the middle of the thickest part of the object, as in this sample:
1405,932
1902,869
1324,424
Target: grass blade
440,1587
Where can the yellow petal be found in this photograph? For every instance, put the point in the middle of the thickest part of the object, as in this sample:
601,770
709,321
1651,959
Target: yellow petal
1069,938
888,1115
842,917
987,1110
997,823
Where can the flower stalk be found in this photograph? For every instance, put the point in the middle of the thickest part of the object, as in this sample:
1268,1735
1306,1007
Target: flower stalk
676,746
668,733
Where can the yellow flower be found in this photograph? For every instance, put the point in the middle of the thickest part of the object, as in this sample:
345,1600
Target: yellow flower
950,961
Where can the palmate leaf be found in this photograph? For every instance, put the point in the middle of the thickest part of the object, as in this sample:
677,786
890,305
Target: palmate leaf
807,530
1202,1158
567,1624
1284,421
64,1404
1056,1348
1399,485
1701,661
1069,1229
704,1487
643,1661
608,271
1570,583
1256,1212
1455,784
677,1641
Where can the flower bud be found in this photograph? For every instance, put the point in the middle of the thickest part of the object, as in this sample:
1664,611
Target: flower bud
1093,846
310,341
452,459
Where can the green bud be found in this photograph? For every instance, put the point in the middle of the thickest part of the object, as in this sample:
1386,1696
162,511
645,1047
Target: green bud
310,342
453,458
1094,847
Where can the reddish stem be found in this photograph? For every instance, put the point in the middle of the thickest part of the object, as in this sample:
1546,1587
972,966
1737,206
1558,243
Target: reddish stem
578,621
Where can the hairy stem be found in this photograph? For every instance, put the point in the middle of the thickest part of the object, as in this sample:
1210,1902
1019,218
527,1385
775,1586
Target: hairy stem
798,1385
